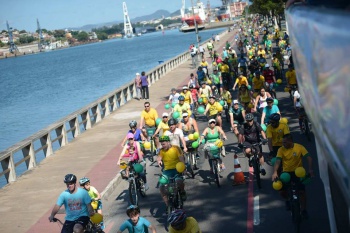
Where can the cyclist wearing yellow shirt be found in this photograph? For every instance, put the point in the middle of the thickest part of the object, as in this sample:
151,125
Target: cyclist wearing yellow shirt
261,52
148,117
258,81
291,76
182,107
290,155
168,157
162,128
180,223
275,132
213,108
240,80
187,94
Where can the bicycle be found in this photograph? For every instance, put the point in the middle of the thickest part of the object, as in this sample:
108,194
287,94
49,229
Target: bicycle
213,154
226,109
174,195
271,90
136,184
90,227
292,89
305,124
254,161
190,158
150,153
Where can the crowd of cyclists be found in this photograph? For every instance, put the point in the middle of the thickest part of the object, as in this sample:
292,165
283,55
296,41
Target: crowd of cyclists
238,85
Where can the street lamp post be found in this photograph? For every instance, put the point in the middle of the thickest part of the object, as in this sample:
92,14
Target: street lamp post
195,24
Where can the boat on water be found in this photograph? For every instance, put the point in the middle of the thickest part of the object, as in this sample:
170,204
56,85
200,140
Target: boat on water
196,16
224,13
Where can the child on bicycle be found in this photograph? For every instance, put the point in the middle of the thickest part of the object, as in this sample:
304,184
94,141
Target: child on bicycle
135,223
94,194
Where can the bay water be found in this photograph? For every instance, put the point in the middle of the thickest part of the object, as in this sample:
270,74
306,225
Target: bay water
37,90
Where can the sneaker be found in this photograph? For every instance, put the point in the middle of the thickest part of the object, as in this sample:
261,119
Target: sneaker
146,187
304,214
262,171
183,195
197,156
287,205
222,166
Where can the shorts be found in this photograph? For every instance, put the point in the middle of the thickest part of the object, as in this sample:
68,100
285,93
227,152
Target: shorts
172,173
295,179
249,145
69,225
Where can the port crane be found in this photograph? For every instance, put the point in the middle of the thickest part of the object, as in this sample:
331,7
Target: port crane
41,37
13,47
127,25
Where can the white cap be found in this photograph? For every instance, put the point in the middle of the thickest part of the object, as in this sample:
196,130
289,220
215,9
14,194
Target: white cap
212,120
184,114
165,114
235,102
137,73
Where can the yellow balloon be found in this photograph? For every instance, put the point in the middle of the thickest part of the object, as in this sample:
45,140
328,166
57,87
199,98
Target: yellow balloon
94,204
229,101
300,172
195,135
279,81
96,218
147,145
208,81
190,137
180,167
205,100
284,120
123,165
219,143
219,108
277,185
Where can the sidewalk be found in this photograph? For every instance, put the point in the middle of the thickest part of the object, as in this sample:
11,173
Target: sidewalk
27,203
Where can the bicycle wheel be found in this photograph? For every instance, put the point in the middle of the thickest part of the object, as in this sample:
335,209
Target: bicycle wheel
133,193
178,200
216,172
296,216
139,187
256,168
306,128
151,154
189,164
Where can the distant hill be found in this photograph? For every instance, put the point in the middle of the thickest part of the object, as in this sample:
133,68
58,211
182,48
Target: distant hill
156,15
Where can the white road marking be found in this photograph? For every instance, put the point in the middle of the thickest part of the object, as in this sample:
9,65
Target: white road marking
256,211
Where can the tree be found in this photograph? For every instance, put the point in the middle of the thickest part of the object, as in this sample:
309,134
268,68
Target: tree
1,44
59,33
102,36
82,36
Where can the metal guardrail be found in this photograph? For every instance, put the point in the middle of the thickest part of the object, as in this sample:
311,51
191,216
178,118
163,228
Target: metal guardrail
45,142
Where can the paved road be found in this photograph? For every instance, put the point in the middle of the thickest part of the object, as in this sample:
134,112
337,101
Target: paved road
229,208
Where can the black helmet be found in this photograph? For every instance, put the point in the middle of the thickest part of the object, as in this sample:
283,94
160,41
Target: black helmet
249,117
275,117
172,121
181,98
70,178
269,99
177,217
133,124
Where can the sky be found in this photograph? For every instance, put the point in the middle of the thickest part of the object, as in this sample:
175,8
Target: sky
22,14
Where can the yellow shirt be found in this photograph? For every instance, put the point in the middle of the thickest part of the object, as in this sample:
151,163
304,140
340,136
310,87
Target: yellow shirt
150,117
276,63
163,127
261,52
224,68
204,64
180,108
187,97
291,158
226,95
244,97
276,134
291,77
92,192
191,227
241,81
213,108
170,157
258,83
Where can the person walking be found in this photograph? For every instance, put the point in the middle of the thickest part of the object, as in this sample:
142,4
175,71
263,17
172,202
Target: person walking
138,86
144,85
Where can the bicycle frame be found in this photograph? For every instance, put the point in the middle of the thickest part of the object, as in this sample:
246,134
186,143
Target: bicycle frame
173,193
294,199
255,162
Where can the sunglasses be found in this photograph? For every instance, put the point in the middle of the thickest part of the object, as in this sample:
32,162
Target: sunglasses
184,116
146,106
130,138
212,122
250,121
165,117
269,102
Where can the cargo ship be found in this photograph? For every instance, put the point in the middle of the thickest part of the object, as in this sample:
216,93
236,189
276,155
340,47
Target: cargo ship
196,15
